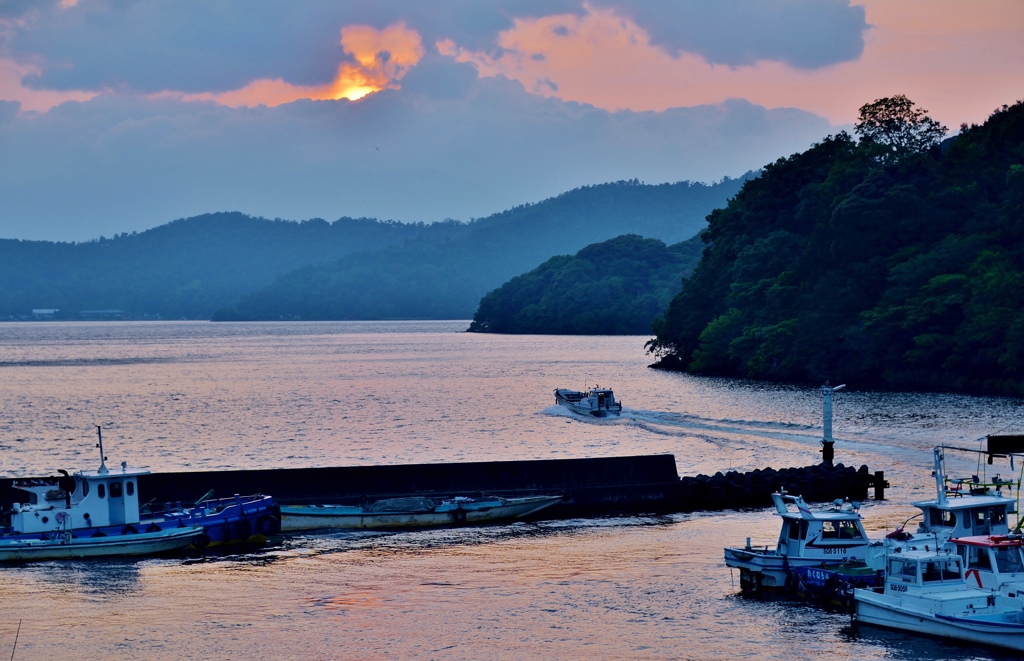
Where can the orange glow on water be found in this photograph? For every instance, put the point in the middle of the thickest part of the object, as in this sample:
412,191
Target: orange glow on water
382,58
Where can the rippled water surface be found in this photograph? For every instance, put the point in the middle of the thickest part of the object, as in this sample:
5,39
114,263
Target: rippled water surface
185,395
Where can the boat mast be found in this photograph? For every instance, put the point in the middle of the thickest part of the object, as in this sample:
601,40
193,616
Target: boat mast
940,478
103,458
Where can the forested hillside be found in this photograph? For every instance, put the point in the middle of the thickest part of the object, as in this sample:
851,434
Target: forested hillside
617,287
892,261
429,278
186,268
194,266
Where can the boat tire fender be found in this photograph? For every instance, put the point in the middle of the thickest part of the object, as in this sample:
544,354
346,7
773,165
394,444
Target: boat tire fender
129,530
268,525
243,530
153,528
459,515
202,541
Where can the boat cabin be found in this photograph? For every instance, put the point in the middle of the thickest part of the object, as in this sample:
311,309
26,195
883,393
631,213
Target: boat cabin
832,535
993,561
966,516
86,499
923,572
965,507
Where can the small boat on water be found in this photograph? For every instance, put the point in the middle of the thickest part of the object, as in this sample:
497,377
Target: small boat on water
926,592
97,513
598,402
412,513
814,546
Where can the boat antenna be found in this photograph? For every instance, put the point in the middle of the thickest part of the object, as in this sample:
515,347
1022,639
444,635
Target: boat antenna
103,458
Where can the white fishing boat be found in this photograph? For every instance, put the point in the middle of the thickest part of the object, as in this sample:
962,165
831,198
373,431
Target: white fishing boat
68,546
961,508
412,513
86,515
925,592
993,562
830,539
598,402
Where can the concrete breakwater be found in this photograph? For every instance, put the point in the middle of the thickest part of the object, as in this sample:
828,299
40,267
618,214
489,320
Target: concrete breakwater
590,487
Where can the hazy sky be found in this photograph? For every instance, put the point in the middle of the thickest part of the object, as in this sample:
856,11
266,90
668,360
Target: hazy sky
118,116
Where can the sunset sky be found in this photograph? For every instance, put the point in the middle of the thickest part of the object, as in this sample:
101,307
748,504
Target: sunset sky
119,116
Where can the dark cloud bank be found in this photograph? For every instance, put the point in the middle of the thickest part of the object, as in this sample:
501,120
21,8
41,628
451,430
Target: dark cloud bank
448,144
218,45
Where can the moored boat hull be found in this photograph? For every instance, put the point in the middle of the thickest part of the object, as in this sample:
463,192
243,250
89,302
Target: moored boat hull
69,548
312,517
871,610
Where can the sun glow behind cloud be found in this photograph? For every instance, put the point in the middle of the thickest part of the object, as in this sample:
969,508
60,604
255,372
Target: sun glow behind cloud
382,57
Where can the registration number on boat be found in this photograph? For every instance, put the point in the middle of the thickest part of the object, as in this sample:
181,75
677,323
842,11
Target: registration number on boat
895,587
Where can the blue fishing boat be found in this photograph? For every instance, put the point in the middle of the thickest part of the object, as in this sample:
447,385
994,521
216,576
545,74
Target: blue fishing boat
97,513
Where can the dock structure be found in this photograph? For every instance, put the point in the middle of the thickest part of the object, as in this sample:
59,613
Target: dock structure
590,487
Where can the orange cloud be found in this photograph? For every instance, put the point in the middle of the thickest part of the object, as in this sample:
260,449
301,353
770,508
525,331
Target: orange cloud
12,89
382,58
959,60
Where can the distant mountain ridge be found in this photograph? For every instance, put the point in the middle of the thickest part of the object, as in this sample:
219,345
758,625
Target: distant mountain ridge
188,267
192,267
444,278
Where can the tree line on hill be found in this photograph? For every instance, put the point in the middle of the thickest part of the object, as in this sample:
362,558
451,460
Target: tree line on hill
892,261
617,287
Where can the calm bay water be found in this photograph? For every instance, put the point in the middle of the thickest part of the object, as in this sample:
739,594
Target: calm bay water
184,395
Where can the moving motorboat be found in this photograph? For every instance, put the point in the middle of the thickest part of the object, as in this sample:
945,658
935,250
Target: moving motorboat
598,402
413,512
925,592
830,541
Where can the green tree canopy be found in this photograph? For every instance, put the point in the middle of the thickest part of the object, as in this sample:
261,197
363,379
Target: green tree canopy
895,123
835,264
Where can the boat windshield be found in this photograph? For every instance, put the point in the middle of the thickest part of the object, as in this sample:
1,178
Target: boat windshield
840,530
904,569
1008,559
943,518
940,569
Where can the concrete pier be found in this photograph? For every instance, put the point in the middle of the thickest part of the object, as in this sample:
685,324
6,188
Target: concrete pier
595,486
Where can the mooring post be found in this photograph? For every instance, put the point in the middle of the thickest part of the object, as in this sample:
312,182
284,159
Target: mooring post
880,485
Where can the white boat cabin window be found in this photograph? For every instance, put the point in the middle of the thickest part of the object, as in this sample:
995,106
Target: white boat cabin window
903,569
101,491
943,518
115,489
840,530
129,486
85,488
998,516
938,570
975,557
1008,559
796,529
